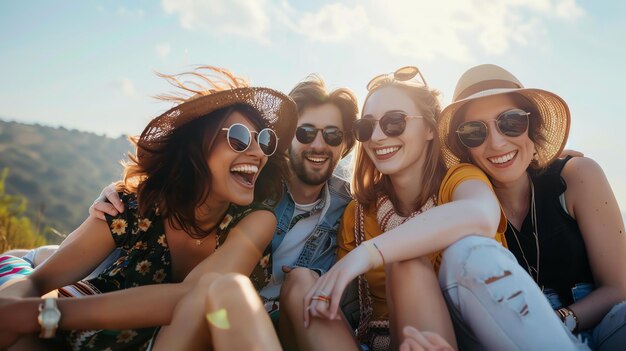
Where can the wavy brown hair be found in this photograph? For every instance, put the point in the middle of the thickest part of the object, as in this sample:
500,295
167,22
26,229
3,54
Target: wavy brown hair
172,173
312,92
368,182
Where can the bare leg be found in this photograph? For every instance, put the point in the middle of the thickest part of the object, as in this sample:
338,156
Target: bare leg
414,299
223,312
321,334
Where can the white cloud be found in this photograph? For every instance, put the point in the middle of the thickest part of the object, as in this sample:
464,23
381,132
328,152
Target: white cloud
245,18
330,23
453,29
126,86
163,49
568,9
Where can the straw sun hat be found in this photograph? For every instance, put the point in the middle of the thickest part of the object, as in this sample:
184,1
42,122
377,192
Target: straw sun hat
488,80
278,111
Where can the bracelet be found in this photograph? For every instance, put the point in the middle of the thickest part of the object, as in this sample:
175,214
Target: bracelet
380,252
376,257
572,324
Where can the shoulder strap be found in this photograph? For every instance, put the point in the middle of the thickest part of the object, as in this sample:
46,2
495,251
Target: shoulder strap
365,301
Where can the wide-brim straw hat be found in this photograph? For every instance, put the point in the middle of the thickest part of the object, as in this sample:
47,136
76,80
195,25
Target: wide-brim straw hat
488,80
278,111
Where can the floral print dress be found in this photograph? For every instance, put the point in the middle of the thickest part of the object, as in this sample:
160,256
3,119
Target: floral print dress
144,260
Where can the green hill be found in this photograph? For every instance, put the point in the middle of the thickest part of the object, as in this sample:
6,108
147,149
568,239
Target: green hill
60,171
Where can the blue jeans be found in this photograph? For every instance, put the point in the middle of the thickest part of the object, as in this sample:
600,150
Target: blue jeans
610,333
494,304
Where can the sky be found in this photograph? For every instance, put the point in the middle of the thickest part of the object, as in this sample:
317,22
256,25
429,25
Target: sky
90,65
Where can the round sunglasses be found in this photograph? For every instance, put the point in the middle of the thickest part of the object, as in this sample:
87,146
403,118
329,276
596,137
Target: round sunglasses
305,134
240,137
402,74
511,123
391,123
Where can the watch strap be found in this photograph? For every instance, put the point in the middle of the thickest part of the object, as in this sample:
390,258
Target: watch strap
48,331
566,312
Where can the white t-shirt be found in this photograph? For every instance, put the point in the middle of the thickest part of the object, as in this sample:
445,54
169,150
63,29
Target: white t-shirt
290,248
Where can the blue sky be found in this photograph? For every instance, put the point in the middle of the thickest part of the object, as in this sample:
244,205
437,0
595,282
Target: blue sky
89,65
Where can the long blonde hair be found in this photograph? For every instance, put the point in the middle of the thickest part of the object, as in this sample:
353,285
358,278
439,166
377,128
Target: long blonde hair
368,182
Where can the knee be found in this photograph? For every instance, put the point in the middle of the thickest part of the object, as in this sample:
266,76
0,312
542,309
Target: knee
417,268
229,283
476,257
482,266
297,282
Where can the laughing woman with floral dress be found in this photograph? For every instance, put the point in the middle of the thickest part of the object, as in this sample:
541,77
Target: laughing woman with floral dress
193,221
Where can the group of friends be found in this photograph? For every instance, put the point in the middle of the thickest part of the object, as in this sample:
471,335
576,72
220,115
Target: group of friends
464,228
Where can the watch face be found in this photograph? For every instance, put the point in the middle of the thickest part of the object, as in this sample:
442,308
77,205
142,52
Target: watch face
570,322
50,317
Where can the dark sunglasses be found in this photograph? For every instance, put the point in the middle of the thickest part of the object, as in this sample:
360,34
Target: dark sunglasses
511,123
392,124
239,138
402,74
305,134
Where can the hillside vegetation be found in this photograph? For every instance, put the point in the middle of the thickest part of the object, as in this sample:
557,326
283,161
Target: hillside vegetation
59,171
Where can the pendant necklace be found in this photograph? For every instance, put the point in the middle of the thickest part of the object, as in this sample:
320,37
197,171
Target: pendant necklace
208,233
533,271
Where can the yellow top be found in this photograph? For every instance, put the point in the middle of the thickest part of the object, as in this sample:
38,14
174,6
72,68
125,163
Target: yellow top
376,277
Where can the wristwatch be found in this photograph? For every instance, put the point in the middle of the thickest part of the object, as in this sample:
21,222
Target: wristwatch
569,318
49,316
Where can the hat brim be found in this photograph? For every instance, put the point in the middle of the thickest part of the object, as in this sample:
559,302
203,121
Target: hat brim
277,111
552,109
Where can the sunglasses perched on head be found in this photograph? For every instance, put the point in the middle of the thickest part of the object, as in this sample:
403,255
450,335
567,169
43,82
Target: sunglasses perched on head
401,74
240,137
511,123
391,123
306,133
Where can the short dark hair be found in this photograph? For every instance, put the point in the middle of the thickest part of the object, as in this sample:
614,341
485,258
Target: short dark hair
312,92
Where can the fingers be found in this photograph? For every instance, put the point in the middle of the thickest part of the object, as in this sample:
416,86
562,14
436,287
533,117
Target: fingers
336,289
410,345
316,303
98,209
437,340
110,194
422,340
286,269
573,153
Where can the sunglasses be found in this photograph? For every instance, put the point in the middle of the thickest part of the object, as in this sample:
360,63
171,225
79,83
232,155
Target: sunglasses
512,123
392,124
402,74
240,137
305,134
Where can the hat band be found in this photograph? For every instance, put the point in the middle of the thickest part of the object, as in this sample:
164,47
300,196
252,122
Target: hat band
487,85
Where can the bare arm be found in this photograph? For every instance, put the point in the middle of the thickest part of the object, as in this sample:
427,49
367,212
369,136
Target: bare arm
474,210
153,305
81,252
591,202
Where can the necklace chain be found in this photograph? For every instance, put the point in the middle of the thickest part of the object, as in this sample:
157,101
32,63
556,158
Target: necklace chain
533,271
217,235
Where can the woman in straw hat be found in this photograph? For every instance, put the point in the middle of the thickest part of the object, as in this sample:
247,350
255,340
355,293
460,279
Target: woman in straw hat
563,222
190,219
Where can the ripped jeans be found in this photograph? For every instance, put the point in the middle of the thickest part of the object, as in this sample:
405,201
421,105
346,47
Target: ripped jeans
610,333
495,304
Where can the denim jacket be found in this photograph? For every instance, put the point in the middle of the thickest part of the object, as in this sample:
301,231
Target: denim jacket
320,247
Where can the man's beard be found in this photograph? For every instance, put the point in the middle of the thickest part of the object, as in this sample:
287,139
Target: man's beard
297,162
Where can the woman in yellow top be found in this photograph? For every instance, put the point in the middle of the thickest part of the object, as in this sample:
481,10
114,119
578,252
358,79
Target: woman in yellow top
407,210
